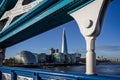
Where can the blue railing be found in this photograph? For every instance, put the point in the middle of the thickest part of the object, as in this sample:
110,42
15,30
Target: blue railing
13,73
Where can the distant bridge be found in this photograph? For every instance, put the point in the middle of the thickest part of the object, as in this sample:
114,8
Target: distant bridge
23,19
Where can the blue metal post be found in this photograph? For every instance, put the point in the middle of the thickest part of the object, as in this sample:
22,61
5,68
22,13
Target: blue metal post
0,75
36,77
13,75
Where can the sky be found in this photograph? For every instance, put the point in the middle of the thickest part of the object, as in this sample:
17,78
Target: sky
107,43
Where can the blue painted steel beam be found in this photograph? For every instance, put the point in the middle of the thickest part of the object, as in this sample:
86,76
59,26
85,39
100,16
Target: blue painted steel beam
48,74
2,7
43,17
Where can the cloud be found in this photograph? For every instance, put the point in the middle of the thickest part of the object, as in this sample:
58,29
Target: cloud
109,47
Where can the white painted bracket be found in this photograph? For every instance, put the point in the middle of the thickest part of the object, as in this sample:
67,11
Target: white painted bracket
89,19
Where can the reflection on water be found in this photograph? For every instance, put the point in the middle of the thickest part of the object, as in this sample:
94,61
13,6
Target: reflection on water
102,69
109,69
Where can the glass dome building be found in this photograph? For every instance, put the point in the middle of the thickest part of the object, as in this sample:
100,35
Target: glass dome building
26,57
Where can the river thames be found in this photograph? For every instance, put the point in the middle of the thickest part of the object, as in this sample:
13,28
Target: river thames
106,69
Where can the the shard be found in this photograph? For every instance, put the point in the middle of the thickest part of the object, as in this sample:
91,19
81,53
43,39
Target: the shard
64,43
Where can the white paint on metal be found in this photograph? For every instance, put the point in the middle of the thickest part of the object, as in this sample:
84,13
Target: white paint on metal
18,10
88,22
6,76
23,78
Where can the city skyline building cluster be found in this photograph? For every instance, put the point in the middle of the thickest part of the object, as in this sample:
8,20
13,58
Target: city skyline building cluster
27,57
54,56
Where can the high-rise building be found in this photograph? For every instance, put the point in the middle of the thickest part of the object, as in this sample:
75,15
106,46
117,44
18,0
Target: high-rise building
64,43
52,51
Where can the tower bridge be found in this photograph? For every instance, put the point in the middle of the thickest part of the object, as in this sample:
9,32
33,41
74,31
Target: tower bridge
46,15
23,19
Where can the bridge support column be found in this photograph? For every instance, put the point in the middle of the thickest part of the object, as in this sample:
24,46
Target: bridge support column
89,19
2,55
90,56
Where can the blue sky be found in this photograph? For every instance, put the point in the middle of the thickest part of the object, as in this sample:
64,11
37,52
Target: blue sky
107,44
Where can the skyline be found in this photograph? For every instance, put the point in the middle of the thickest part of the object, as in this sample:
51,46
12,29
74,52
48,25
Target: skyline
107,44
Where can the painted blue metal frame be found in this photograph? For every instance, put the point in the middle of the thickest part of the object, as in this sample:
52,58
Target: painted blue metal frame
2,5
37,9
39,17
38,74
